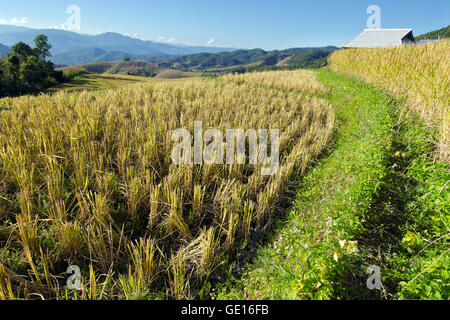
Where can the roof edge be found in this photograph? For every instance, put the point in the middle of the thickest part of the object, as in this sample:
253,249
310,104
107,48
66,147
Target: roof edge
397,29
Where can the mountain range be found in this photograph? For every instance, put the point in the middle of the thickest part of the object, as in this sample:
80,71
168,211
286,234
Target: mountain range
70,48
288,57
73,48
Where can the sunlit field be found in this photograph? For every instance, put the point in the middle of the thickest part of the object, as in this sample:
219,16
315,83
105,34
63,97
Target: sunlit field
420,74
87,179
94,82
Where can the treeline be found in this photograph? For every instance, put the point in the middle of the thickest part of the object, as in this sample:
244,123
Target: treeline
315,64
443,33
208,61
25,70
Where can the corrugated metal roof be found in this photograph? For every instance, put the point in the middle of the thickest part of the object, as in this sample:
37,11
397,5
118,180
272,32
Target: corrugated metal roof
376,38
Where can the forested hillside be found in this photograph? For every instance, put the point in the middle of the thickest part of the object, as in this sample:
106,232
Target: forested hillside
203,61
436,34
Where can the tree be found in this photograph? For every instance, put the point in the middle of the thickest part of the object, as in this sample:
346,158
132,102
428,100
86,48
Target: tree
10,78
12,66
32,72
25,70
126,59
21,50
42,46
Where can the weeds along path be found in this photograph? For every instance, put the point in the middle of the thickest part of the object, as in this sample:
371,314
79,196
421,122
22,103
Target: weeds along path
377,198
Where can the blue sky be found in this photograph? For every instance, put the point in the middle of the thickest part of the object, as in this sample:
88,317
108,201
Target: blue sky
267,24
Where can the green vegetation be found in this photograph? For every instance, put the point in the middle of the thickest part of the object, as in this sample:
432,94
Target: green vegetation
176,74
73,73
418,74
93,82
25,69
86,179
377,197
443,33
299,57
315,64
135,68
96,67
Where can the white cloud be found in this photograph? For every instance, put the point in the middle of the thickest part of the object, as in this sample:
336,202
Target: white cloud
211,41
60,27
166,39
17,20
63,26
3,21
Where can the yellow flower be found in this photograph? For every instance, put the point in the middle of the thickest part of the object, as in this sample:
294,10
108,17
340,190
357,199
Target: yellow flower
336,257
352,247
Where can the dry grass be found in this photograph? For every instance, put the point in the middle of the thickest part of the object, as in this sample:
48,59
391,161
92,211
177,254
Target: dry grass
419,73
86,179
176,74
283,80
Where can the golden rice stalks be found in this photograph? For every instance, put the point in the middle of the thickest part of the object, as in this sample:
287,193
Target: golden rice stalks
419,73
84,175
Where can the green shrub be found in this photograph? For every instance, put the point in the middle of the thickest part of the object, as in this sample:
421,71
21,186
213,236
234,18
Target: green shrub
72,73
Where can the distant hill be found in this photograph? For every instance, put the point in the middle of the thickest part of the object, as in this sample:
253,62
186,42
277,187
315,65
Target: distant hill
443,33
71,48
3,50
95,67
88,55
208,61
176,74
134,68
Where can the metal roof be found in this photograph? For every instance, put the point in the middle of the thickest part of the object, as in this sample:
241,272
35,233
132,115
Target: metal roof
375,38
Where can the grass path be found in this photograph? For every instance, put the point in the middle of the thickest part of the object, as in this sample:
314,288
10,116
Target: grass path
370,201
97,82
93,82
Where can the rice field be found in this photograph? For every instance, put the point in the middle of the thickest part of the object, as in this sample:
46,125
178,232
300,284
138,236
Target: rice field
87,179
281,80
419,74
94,82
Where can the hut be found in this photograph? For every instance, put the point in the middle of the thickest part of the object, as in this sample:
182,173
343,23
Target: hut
381,38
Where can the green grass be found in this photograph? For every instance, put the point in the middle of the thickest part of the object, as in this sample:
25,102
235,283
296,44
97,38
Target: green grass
376,198
93,82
